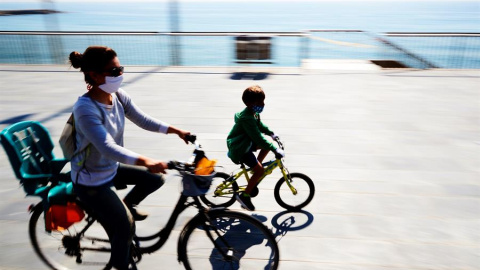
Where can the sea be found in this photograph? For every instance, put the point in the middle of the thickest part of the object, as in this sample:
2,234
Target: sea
375,17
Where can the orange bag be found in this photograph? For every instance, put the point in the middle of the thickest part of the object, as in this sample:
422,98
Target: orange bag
205,166
60,217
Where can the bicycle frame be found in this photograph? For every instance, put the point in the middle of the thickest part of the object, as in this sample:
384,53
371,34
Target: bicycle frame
162,235
269,166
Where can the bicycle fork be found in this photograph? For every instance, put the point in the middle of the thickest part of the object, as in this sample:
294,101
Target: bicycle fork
288,179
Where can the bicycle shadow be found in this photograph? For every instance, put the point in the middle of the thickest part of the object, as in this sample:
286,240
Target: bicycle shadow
287,221
243,236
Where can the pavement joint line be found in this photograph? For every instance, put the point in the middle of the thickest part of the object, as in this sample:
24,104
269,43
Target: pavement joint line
399,194
389,266
391,216
393,240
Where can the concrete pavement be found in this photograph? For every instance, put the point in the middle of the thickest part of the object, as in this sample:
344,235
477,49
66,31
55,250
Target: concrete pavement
394,154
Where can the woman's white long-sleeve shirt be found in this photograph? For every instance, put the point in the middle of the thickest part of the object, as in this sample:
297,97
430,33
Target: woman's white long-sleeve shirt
99,137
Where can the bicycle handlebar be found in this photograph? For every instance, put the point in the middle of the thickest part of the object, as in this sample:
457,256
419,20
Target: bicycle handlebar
181,166
185,166
191,138
190,166
280,144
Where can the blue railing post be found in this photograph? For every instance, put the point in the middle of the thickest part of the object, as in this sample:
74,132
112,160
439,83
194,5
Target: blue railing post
174,28
304,47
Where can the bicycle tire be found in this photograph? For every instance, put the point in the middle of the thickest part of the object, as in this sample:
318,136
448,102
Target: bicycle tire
286,199
252,244
59,249
220,201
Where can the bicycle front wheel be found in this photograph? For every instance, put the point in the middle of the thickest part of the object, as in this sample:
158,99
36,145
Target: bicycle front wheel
227,240
69,248
299,195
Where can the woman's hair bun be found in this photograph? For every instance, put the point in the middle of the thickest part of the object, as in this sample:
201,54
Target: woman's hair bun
76,59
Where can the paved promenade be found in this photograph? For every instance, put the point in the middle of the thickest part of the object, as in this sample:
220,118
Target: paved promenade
395,157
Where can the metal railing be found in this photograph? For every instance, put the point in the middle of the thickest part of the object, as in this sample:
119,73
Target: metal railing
143,48
340,44
416,50
218,48
40,47
434,50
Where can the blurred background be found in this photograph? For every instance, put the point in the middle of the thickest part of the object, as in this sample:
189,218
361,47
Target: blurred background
417,34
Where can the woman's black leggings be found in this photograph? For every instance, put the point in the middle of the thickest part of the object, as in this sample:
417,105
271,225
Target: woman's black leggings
113,213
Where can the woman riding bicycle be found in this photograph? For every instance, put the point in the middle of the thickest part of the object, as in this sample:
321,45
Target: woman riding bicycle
101,162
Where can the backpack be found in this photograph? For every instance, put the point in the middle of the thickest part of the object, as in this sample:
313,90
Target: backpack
67,140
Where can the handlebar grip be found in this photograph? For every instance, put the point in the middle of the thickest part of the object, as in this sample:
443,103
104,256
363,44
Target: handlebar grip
280,144
191,138
172,165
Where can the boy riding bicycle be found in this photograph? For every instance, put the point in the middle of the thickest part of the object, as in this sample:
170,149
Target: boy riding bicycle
247,137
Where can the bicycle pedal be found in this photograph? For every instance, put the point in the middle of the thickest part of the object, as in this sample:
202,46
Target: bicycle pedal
135,253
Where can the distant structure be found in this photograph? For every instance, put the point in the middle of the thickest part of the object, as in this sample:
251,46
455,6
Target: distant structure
27,12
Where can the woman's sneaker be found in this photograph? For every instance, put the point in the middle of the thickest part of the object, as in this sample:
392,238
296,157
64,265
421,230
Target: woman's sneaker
138,215
245,201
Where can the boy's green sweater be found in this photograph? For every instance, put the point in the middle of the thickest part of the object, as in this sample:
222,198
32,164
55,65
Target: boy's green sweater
247,129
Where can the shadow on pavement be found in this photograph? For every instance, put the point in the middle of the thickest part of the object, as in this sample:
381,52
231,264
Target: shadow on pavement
256,76
16,119
287,221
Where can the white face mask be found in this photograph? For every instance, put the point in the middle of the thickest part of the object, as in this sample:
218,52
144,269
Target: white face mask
112,84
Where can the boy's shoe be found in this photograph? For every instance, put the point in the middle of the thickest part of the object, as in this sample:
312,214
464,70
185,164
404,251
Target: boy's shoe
245,201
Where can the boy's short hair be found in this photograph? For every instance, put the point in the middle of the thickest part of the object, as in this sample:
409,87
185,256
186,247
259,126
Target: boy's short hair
252,94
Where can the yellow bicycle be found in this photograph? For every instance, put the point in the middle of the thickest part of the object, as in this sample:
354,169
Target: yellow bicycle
293,191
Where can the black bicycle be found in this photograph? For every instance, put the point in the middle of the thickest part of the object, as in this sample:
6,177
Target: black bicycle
213,239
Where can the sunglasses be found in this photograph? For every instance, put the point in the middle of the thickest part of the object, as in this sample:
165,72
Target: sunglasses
115,72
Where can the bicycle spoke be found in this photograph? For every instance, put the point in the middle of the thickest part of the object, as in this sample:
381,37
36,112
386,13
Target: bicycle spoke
220,194
296,194
64,250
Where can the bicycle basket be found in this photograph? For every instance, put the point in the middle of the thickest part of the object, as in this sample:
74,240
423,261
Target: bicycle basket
196,185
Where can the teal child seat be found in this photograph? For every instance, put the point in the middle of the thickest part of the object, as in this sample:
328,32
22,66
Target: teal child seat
29,148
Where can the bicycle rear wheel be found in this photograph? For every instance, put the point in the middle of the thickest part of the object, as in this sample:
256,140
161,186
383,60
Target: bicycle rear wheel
69,249
304,188
219,184
227,240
